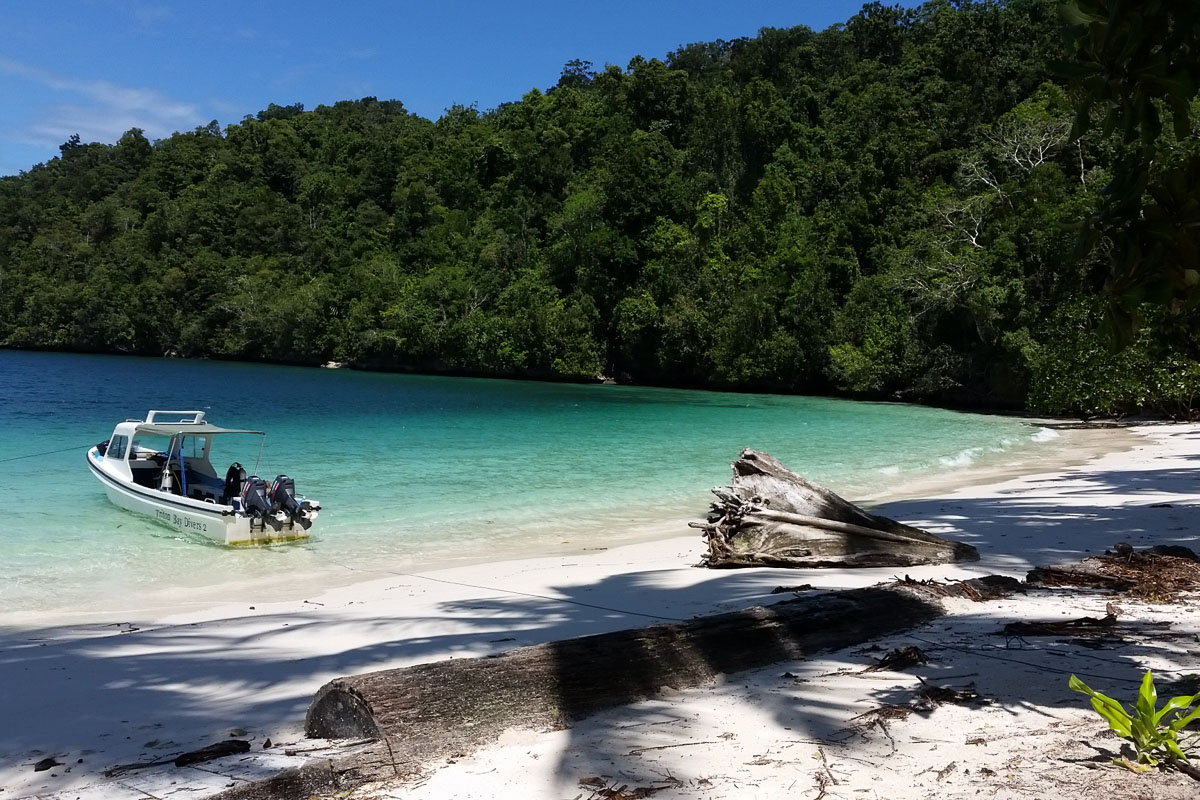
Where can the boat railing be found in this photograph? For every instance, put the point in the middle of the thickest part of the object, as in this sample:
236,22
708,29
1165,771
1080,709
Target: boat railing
196,417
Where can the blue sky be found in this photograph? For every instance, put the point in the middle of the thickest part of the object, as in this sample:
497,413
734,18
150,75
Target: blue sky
100,67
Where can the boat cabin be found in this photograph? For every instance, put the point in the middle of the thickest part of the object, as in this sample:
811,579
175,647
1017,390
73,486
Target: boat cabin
169,451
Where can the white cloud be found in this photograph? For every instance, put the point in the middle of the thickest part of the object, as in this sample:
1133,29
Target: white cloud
97,110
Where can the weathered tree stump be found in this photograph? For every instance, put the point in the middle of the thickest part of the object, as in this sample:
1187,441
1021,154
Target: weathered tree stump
771,517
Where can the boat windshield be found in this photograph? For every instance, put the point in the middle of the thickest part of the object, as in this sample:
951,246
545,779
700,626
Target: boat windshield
194,447
146,445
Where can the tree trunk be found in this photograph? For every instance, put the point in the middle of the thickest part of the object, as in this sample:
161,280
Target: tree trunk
772,517
424,714
433,710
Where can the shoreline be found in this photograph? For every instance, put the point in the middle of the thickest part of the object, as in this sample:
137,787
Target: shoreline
547,377
1078,447
322,569
96,695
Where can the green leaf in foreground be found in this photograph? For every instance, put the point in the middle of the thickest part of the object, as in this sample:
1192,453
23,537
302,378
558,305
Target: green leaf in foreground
1151,738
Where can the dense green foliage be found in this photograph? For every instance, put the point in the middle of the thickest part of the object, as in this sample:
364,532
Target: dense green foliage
884,208
1133,65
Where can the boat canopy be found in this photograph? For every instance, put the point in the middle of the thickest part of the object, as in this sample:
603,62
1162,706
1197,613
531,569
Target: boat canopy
185,428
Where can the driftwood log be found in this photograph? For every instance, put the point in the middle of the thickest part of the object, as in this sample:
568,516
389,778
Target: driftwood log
771,517
428,711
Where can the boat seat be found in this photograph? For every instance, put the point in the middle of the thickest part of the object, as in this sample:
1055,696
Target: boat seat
201,486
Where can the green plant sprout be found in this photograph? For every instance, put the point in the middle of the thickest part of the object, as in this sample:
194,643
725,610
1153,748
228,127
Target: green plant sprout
1153,735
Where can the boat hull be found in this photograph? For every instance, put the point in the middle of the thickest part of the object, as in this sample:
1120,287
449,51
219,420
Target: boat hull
220,523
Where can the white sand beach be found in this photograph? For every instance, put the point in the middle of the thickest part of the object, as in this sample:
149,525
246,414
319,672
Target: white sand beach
94,696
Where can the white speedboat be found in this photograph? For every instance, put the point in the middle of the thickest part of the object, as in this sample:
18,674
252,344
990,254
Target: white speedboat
162,467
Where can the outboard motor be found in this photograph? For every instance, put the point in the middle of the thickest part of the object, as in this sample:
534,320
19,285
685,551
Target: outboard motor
283,497
254,499
234,478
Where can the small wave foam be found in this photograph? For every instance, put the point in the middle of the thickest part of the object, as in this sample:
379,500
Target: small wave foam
1044,435
892,470
962,459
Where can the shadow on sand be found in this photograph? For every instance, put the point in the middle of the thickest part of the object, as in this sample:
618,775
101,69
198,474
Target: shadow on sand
140,694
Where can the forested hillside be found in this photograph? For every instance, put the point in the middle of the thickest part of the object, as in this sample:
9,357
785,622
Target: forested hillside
886,209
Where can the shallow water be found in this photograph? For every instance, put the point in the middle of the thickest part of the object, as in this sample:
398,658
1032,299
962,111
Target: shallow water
415,471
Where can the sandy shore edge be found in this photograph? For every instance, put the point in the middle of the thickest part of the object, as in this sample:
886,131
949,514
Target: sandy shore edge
93,696
302,571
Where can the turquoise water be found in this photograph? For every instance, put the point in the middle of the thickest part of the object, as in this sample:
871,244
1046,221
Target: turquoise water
414,471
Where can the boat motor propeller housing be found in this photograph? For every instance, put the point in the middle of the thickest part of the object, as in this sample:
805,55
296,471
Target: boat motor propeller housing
283,497
254,500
